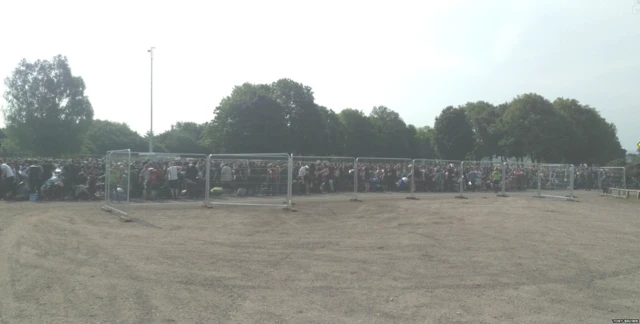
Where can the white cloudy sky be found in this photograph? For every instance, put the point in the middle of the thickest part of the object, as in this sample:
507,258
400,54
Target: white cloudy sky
415,57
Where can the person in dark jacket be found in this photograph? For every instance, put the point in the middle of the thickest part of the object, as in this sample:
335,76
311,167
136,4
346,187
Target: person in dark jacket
35,172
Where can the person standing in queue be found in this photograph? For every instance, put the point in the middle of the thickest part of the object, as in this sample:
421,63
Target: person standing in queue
9,179
35,178
191,177
174,181
497,179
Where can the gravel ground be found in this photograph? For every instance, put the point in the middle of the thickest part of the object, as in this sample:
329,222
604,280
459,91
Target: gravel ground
384,260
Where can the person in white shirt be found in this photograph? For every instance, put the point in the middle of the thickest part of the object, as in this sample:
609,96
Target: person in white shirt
145,179
8,176
174,184
304,175
226,175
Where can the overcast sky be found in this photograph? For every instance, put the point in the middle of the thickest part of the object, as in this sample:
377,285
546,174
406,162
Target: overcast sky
415,57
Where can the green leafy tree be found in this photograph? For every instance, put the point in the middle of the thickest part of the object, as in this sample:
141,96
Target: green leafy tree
532,128
303,117
594,139
633,172
47,110
452,134
249,120
180,141
184,137
391,133
424,142
617,163
412,142
10,148
104,135
360,137
484,117
194,130
334,133
2,136
157,146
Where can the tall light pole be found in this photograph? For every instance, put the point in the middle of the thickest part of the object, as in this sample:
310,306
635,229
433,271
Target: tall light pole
151,131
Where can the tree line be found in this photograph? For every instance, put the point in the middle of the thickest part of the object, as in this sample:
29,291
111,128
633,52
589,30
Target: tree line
48,114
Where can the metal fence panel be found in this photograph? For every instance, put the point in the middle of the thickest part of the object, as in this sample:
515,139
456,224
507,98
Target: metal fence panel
610,179
437,176
324,177
261,179
556,181
521,176
153,178
384,175
117,184
586,178
477,176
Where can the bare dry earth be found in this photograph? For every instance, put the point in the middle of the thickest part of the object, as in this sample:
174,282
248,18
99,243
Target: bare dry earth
384,260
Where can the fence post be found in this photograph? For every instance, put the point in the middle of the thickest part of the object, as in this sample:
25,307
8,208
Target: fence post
572,179
356,171
600,172
539,195
207,184
504,180
412,182
290,205
129,177
107,189
461,181
624,179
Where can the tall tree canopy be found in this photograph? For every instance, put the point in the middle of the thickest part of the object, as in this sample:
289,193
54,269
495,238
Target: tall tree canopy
106,135
391,132
48,114
589,131
531,127
304,120
425,144
334,133
47,111
484,118
360,137
453,134
250,120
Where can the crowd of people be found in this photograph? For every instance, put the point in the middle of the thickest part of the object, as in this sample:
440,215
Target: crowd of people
186,178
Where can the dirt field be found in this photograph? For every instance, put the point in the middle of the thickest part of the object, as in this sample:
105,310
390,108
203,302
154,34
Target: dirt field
436,260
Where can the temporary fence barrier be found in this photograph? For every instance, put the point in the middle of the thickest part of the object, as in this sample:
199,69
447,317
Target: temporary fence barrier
261,179
386,175
146,179
610,179
432,176
508,178
154,180
460,181
475,176
521,176
554,180
587,178
116,182
323,177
